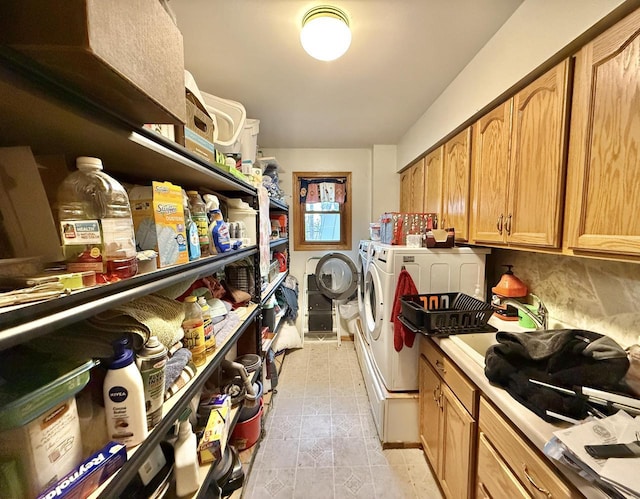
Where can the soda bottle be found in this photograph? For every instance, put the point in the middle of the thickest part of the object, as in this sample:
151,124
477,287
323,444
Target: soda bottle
96,227
199,215
193,326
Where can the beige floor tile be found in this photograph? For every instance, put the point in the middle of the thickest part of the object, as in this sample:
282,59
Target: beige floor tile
344,405
353,482
287,406
315,453
284,427
316,426
276,454
346,425
392,482
313,406
314,483
349,452
270,484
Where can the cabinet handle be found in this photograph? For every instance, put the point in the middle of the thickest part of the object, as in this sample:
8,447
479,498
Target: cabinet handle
440,367
507,225
440,404
535,485
435,394
484,491
499,223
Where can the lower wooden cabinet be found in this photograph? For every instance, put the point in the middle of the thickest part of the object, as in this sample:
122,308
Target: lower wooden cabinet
508,467
447,421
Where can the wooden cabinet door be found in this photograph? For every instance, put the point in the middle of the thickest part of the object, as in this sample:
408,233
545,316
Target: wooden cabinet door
433,182
456,174
417,187
604,162
405,191
430,391
538,157
494,478
490,173
457,447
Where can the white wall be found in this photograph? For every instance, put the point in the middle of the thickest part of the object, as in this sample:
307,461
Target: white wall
356,161
531,36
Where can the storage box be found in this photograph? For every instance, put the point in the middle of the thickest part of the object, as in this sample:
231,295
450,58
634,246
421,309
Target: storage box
87,477
126,54
440,238
39,425
158,219
395,226
198,132
214,439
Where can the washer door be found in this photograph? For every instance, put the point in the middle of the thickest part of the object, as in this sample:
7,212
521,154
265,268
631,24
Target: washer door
373,305
336,276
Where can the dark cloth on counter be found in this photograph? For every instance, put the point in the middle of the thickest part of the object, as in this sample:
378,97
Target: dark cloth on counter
402,335
563,357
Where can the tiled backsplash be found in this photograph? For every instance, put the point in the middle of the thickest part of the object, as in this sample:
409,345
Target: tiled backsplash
584,293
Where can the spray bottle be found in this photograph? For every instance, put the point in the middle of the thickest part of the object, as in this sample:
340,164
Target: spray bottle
217,226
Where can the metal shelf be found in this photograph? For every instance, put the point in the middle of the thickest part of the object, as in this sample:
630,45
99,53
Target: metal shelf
276,204
278,242
29,321
273,285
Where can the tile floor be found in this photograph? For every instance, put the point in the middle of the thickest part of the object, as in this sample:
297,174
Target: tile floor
320,440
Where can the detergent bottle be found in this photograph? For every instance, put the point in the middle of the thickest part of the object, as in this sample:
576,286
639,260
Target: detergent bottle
217,225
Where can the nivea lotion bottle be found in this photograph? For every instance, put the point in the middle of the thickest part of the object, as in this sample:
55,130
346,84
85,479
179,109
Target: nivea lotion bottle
123,392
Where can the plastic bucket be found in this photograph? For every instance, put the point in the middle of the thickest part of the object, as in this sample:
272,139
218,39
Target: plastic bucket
247,433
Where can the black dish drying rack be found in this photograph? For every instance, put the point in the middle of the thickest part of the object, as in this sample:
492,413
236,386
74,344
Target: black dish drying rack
443,314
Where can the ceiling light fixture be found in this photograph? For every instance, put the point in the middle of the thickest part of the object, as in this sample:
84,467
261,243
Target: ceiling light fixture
325,33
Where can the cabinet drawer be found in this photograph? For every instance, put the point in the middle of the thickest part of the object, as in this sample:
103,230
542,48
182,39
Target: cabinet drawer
495,479
532,470
460,385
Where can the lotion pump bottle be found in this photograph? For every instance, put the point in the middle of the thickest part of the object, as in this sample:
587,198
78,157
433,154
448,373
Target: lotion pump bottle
185,451
123,393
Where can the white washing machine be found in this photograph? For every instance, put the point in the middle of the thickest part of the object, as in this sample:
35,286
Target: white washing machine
433,271
365,249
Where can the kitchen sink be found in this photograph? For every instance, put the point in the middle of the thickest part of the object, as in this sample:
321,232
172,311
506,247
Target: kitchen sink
475,345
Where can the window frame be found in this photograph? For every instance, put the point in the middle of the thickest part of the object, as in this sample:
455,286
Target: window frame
299,242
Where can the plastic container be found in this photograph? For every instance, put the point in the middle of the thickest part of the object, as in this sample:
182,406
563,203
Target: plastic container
248,218
124,400
193,326
96,227
185,467
524,320
246,433
374,231
199,216
38,419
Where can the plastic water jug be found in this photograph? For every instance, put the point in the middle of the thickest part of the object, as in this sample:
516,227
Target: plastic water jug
95,222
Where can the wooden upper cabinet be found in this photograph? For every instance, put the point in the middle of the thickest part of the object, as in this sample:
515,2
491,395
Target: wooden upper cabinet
433,181
603,187
519,164
405,191
417,187
538,165
412,188
490,169
456,173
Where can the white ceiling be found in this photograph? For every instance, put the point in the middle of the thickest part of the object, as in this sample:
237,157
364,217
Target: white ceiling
403,54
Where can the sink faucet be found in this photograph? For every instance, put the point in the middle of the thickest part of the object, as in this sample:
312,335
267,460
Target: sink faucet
540,317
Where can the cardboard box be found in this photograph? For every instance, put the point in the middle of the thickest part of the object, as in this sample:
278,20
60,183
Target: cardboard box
87,477
214,440
197,134
158,219
126,54
24,206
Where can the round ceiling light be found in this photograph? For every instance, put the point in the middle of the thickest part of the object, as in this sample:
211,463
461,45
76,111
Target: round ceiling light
325,33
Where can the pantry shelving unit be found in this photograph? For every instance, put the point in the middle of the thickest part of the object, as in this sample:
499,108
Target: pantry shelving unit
54,119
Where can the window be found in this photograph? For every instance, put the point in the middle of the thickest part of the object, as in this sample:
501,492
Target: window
322,211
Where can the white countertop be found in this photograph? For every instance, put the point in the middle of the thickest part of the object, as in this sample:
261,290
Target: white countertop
537,430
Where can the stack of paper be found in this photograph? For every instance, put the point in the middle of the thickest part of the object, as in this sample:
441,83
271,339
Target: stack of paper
618,477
